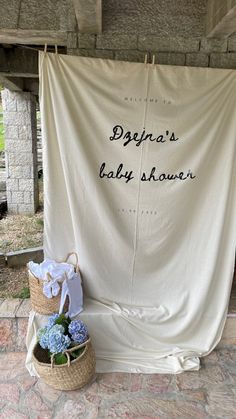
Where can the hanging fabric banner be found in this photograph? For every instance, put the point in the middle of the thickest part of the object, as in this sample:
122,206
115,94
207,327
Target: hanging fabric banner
140,180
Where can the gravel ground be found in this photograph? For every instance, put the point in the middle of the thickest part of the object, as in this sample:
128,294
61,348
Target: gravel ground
14,283
19,232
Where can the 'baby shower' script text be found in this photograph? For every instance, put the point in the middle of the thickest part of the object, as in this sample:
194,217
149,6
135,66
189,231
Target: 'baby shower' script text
152,175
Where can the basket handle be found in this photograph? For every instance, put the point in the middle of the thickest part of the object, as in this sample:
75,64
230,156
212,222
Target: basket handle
53,356
68,351
76,265
74,348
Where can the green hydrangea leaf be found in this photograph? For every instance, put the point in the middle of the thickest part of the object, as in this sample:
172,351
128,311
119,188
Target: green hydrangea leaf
77,353
60,359
63,321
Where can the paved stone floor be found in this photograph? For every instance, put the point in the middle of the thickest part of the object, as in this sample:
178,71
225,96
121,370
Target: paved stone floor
208,393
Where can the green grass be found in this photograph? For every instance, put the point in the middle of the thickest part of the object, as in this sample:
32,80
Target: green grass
24,293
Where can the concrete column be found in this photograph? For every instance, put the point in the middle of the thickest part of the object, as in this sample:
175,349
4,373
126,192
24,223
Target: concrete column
19,118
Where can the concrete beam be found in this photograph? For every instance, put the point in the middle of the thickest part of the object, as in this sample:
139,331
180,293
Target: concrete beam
12,83
32,37
221,18
89,15
17,62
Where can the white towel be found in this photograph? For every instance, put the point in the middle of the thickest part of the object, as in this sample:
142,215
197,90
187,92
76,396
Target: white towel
73,288
60,273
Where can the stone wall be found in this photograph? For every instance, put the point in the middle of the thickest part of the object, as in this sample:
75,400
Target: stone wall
20,151
196,52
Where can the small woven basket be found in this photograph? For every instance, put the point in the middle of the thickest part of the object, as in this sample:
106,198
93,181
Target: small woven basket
71,376
39,302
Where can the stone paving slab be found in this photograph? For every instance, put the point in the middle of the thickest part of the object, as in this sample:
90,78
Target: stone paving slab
207,393
9,307
24,308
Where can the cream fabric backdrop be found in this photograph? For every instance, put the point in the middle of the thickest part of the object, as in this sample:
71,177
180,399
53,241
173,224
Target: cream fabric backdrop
156,256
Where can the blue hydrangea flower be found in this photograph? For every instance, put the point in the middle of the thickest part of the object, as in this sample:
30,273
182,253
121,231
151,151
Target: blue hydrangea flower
41,332
79,338
51,320
43,341
57,341
78,331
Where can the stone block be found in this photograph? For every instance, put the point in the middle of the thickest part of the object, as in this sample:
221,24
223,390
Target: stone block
116,41
28,197
197,60
4,92
26,185
8,197
11,103
12,185
18,146
19,172
9,307
9,14
22,105
8,117
17,197
22,257
213,45
10,132
169,58
16,118
155,43
26,209
224,60
25,132
20,158
95,53
12,208
72,39
133,56
86,41
164,18
40,16
232,44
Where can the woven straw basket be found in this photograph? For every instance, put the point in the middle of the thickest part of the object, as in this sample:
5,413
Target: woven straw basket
71,376
39,302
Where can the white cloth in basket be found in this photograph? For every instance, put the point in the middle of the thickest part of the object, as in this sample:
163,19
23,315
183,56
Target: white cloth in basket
60,272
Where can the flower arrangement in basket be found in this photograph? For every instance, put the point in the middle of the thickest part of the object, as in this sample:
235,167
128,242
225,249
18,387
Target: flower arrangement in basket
63,356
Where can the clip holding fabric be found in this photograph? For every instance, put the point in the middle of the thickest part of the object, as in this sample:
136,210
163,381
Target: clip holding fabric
45,48
145,59
56,51
153,59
